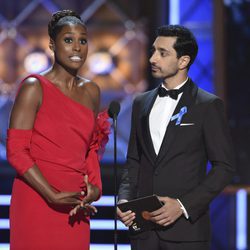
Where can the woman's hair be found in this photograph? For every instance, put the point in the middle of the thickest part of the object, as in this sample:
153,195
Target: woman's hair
185,44
60,19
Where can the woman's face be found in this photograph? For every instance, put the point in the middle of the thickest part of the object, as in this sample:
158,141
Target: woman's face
71,47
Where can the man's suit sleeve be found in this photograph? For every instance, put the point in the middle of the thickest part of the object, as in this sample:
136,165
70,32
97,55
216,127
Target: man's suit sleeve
220,153
127,189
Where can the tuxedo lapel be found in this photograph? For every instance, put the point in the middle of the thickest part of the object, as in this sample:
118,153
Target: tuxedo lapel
186,100
146,136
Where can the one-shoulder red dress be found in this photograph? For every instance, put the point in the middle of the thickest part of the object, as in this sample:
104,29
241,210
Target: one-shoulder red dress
63,144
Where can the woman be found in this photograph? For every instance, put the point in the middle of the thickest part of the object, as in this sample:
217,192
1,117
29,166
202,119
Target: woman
52,142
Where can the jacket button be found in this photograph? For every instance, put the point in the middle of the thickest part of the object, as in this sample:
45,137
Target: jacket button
156,173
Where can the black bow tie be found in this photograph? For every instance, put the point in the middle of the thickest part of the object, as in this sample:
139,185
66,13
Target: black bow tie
173,93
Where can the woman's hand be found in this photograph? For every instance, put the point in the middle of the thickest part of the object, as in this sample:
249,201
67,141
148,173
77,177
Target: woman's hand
54,197
92,195
65,198
93,191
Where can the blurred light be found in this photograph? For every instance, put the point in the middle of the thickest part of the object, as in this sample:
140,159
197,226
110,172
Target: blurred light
36,62
129,88
3,99
106,201
4,224
106,225
94,224
12,33
92,246
101,63
241,220
2,152
174,12
130,34
5,90
5,200
109,247
129,24
4,246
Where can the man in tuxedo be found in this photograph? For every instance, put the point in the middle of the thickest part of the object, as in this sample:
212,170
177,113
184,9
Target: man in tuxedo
176,129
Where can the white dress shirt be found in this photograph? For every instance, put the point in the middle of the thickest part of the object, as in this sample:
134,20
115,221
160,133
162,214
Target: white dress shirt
159,118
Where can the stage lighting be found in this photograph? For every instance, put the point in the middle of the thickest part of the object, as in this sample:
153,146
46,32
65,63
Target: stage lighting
101,63
36,61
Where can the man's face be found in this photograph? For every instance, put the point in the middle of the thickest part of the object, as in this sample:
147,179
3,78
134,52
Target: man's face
164,61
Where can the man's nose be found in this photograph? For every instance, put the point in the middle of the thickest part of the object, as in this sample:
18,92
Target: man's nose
153,58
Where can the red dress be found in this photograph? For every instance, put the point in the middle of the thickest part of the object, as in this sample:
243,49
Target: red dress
63,144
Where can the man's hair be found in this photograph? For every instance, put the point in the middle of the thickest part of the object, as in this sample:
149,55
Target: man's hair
185,44
60,19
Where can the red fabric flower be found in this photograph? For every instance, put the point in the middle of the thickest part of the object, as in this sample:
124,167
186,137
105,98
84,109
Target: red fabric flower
101,133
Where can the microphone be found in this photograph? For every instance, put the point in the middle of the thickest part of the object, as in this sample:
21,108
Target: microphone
114,109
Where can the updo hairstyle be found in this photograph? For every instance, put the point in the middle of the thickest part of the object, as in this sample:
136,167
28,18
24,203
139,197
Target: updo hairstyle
60,19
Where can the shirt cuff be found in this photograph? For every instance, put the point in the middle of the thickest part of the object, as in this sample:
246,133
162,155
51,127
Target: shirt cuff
122,201
183,209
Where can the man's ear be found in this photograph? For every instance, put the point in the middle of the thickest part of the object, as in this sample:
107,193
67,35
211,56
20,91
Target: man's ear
184,61
52,45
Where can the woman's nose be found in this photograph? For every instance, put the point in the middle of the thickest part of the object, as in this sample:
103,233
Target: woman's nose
76,46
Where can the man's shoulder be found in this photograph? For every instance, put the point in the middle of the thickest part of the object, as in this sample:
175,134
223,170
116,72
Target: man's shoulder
145,95
204,96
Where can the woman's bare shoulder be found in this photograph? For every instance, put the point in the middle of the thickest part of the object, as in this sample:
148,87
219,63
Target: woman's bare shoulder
30,92
26,105
30,85
89,85
93,91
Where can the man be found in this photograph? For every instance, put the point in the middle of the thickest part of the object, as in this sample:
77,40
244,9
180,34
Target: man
176,129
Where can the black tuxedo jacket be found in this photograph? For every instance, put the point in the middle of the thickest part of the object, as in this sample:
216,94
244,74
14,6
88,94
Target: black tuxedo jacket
180,168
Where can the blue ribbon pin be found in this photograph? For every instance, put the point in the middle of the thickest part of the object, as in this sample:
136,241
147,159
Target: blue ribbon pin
179,116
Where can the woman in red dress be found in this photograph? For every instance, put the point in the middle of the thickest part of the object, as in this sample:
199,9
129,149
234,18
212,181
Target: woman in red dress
53,140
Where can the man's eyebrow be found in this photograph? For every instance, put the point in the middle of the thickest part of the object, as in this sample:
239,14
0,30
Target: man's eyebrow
163,49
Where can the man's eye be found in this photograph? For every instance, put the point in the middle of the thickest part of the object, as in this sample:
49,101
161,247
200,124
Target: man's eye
163,54
83,41
68,40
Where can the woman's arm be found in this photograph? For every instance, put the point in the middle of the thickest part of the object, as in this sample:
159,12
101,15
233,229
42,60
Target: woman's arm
23,115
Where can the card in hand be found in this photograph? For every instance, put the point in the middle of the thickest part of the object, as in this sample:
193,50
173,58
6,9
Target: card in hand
142,207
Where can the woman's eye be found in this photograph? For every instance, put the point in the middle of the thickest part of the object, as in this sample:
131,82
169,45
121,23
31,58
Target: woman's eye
83,41
68,40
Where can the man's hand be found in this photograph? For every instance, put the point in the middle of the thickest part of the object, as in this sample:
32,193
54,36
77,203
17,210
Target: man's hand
125,217
168,213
